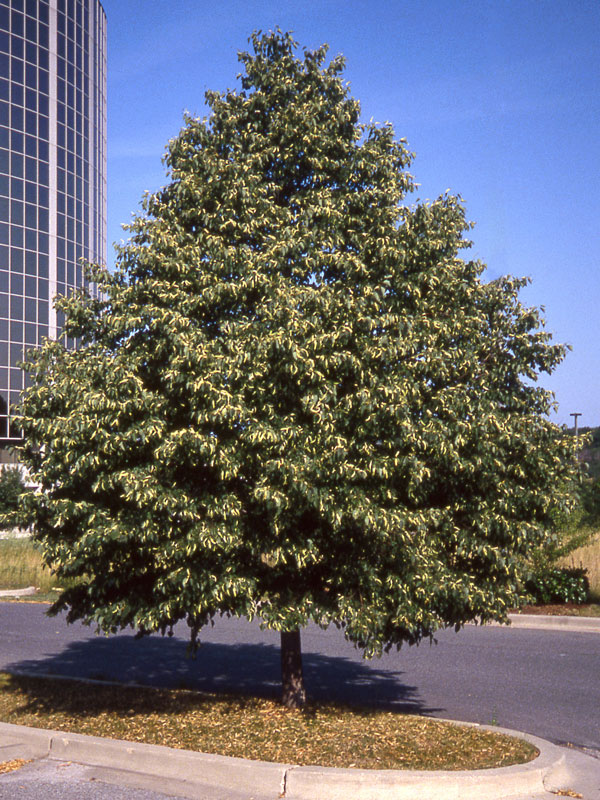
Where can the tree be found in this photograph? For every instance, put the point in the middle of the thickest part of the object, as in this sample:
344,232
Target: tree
589,498
12,487
590,452
294,399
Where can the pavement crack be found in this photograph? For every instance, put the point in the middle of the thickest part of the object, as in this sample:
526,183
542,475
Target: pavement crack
284,780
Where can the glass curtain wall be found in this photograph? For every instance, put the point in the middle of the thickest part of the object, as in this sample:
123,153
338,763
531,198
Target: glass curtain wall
52,170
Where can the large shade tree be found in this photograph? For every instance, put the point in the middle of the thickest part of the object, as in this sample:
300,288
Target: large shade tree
295,399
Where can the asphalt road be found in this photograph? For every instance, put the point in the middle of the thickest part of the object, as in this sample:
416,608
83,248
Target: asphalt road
542,682
47,780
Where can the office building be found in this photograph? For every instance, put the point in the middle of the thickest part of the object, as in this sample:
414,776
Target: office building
52,170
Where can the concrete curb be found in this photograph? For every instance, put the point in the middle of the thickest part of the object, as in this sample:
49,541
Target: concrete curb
555,623
201,772
18,592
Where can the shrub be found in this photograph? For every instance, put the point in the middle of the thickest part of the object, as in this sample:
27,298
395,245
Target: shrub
12,487
559,585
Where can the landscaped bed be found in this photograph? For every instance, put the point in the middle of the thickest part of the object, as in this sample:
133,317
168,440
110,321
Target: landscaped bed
249,727
562,610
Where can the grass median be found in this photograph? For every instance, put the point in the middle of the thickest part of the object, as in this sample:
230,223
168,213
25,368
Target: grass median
249,727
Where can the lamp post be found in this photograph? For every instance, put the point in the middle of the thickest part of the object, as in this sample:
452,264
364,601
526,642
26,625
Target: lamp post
575,415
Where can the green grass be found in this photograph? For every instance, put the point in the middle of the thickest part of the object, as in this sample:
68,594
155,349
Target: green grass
253,728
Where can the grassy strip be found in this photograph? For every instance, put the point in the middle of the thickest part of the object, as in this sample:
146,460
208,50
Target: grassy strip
253,728
21,565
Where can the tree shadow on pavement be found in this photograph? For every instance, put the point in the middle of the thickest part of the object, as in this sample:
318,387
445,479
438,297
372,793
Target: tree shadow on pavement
246,668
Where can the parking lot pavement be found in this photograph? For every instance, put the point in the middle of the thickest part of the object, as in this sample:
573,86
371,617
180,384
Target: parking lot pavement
57,780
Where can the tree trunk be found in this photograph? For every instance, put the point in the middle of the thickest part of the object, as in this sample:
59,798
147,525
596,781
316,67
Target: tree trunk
292,679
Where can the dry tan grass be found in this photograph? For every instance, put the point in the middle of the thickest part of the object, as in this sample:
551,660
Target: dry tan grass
21,565
589,558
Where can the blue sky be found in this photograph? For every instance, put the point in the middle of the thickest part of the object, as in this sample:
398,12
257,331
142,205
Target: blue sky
499,99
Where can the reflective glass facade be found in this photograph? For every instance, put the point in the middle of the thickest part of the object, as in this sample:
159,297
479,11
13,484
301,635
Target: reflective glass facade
52,170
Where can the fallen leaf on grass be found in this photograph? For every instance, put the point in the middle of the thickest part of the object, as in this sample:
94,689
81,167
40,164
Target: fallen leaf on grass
256,728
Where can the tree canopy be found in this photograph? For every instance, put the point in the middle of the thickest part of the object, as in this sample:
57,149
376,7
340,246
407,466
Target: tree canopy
295,399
